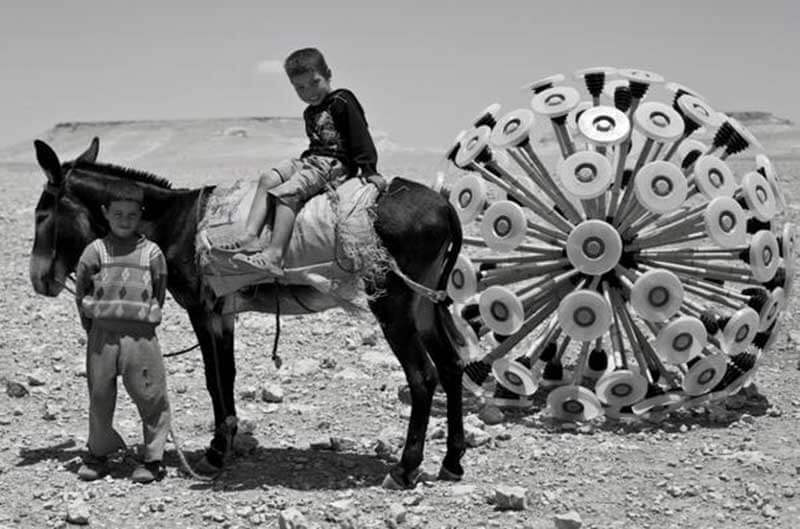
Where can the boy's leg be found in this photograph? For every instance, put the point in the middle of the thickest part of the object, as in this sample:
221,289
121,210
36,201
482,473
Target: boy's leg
145,380
101,374
255,217
271,259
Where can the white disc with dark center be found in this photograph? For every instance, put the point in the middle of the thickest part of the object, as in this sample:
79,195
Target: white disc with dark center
551,80
501,310
658,121
658,403
513,129
713,177
771,309
740,330
575,113
675,88
463,282
585,174
621,387
764,166
503,226
584,315
594,247
759,196
467,342
725,222
764,255
704,374
681,339
657,295
605,70
469,197
698,111
660,187
788,235
779,295
491,110
604,125
640,76
687,147
555,102
514,376
473,144
574,403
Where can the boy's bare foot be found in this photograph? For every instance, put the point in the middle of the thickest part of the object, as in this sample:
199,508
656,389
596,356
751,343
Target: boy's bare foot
230,243
266,261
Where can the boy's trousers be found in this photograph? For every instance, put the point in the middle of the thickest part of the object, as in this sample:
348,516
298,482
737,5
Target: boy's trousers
129,349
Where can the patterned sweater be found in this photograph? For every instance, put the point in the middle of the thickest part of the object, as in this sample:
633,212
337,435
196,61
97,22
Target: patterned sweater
121,280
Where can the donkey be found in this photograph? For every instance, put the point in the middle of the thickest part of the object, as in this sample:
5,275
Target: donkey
416,225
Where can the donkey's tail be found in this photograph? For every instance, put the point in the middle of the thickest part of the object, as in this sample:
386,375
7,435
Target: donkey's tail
444,320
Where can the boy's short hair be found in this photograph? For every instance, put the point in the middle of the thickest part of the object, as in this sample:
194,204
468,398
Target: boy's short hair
123,191
306,60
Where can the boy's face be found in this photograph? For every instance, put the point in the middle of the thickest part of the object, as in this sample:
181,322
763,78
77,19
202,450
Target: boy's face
123,217
312,87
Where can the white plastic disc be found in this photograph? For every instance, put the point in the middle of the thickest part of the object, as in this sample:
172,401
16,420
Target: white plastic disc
658,121
501,310
640,76
676,88
698,111
584,315
740,330
704,374
660,187
687,147
513,129
463,282
473,144
664,402
575,113
713,177
726,222
469,197
681,339
621,388
594,247
574,403
503,226
514,376
788,235
605,70
604,125
549,81
759,196
764,166
772,309
657,295
585,174
491,110
468,344
555,102
764,255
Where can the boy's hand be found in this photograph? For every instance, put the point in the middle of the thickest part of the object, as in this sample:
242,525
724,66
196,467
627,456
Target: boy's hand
379,181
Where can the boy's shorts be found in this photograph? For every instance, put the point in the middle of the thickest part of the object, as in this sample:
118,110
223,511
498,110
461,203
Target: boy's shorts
302,178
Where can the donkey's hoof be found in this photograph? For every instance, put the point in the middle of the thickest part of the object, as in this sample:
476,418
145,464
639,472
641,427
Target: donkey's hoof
204,467
448,475
390,483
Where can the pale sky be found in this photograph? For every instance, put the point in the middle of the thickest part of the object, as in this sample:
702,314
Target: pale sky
421,69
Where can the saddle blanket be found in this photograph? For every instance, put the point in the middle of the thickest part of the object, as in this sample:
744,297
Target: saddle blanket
332,241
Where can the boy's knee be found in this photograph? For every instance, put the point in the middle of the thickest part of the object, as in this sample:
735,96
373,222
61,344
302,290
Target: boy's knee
269,179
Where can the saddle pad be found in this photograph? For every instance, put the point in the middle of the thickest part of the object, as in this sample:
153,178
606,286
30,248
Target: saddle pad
321,251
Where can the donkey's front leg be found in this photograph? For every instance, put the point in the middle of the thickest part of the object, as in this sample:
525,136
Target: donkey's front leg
215,335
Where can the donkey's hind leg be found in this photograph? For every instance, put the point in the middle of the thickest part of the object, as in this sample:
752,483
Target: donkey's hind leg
393,311
448,365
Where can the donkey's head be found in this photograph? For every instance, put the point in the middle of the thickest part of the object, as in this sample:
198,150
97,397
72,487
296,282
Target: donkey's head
64,223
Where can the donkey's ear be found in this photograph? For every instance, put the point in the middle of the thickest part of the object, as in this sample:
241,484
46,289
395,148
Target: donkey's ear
48,161
90,154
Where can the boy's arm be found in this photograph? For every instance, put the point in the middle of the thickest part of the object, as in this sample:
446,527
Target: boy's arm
349,119
88,266
158,273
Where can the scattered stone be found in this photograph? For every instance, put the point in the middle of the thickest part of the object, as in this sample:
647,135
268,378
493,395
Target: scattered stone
570,520
343,444
491,414
78,513
244,444
350,373
475,437
35,379
272,393
395,516
327,363
16,390
508,498
248,393
370,338
342,512
48,413
462,490
321,444
292,518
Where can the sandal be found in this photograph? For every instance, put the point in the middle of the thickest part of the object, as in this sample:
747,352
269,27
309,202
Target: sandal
258,263
229,242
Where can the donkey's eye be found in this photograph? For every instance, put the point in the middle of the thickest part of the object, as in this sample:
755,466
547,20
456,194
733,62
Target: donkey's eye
41,217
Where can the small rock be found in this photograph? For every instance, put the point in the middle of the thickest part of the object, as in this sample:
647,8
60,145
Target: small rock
507,498
327,363
321,444
491,414
769,511
462,490
248,393
272,393
340,510
244,444
78,513
570,520
48,413
16,390
395,516
350,373
292,518
343,444
370,338
475,437
35,379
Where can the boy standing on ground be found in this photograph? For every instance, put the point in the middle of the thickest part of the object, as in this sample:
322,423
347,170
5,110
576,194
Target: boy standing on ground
120,286
340,147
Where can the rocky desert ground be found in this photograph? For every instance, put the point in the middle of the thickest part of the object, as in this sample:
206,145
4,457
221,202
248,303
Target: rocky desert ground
319,434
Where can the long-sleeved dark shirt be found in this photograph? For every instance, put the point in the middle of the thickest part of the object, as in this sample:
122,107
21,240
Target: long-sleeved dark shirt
337,127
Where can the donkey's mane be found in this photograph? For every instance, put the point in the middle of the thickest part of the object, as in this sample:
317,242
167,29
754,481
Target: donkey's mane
125,173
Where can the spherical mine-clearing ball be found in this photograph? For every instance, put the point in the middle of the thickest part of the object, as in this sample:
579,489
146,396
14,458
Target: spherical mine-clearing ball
624,247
